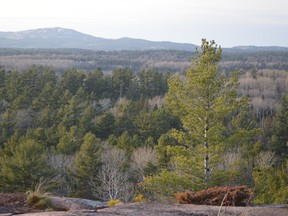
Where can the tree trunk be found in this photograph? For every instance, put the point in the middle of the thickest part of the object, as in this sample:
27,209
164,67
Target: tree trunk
206,157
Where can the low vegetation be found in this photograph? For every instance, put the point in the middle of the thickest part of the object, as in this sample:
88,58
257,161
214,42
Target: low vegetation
113,202
217,196
39,197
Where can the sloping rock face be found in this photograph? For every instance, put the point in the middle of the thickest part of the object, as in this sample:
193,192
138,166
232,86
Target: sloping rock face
4,210
15,204
70,204
160,209
12,204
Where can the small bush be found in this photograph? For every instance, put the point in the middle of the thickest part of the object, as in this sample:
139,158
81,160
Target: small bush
271,185
140,198
113,202
163,187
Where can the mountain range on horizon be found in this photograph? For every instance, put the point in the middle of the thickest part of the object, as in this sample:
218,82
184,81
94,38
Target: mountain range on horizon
56,38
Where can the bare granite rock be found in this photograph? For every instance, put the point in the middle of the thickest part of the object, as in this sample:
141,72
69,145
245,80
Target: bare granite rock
72,204
160,209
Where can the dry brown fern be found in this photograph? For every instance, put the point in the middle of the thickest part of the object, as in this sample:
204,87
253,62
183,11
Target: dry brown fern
227,196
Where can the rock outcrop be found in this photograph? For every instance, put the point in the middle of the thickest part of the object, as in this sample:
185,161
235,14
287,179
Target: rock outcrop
72,204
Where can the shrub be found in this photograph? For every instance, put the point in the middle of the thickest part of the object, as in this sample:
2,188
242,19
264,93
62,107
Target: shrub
140,198
113,202
271,185
163,186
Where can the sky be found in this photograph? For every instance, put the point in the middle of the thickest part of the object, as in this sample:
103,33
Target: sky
228,22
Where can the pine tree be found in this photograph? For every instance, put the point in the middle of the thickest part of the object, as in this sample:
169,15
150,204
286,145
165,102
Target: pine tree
87,164
73,80
202,99
105,125
280,138
22,164
121,81
7,122
69,140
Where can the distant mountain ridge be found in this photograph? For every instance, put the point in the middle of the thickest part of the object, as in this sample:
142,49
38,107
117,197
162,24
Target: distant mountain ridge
57,38
258,48
54,38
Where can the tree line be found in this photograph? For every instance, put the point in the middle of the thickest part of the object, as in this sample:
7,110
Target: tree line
160,60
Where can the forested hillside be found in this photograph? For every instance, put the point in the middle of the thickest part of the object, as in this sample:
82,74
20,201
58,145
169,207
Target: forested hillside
57,38
115,135
160,60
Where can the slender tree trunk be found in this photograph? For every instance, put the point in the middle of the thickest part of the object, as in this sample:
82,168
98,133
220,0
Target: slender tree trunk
121,90
206,157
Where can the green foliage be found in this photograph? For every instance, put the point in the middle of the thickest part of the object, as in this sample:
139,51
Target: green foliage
46,97
166,184
155,123
121,81
85,122
87,164
202,99
163,157
72,80
95,84
7,124
73,109
55,111
23,164
70,141
271,185
150,169
152,83
127,142
105,125
280,139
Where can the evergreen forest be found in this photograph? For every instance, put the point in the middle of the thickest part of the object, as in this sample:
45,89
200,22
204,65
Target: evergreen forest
149,132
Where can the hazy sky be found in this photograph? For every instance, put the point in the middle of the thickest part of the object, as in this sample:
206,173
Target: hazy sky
228,22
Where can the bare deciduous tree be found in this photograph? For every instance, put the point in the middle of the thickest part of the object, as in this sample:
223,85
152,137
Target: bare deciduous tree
140,158
266,159
63,164
113,179
158,101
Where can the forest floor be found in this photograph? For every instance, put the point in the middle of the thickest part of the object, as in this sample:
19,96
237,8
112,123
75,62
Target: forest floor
15,204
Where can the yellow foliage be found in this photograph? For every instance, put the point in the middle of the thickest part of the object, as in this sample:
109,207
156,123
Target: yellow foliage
113,202
140,198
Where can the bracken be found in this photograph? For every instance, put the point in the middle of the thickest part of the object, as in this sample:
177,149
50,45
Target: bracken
218,196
